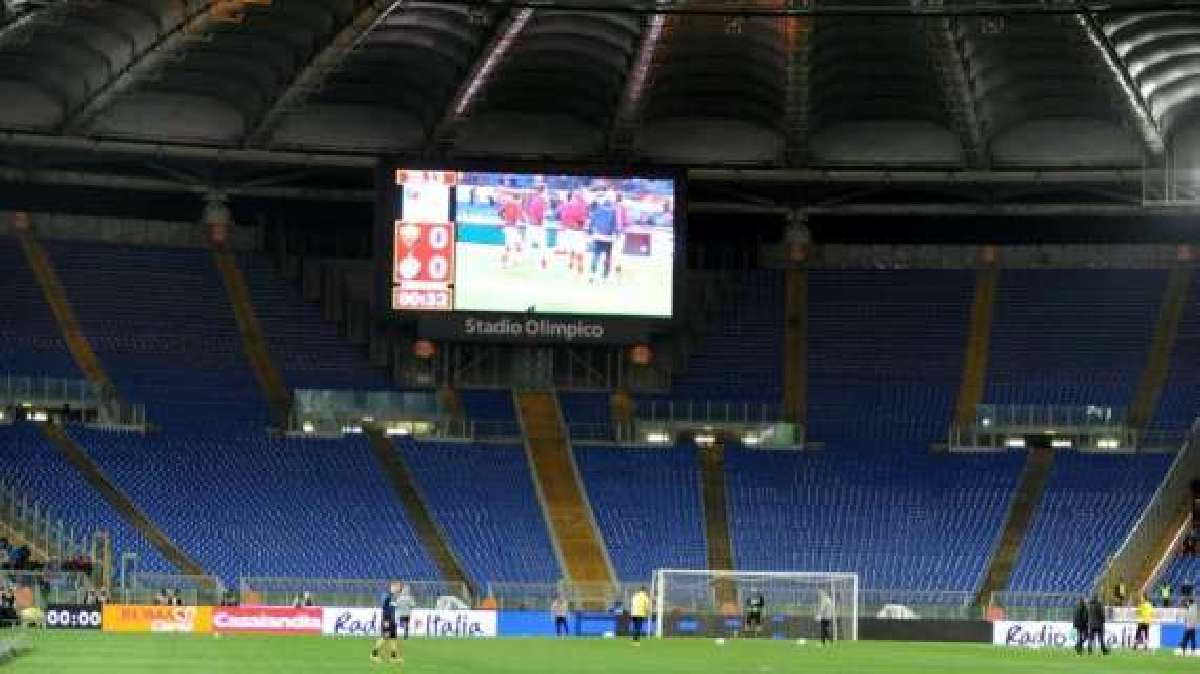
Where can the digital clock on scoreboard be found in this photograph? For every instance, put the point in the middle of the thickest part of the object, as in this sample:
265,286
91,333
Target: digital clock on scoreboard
529,242
74,617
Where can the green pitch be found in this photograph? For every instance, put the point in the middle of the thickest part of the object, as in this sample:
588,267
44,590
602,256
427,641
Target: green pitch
98,653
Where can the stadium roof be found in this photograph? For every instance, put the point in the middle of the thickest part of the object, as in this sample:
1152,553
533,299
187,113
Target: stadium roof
956,85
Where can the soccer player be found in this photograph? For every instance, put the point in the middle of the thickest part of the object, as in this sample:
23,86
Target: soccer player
397,608
639,610
573,217
1080,624
825,616
559,608
1145,614
510,217
755,605
535,218
604,230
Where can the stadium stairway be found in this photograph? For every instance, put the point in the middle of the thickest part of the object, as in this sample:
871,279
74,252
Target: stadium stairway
428,532
577,540
120,501
1031,487
716,516
1154,376
52,288
270,380
975,356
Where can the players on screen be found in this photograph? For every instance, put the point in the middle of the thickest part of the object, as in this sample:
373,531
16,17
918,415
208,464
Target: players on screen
564,244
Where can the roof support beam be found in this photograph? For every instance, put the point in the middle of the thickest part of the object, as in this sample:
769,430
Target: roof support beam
309,79
622,136
196,23
941,39
505,35
752,8
17,31
1140,115
797,42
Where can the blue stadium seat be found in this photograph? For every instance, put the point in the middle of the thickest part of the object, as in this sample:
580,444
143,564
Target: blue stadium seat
1090,504
1071,337
250,505
885,354
306,348
483,498
35,467
161,323
31,344
900,519
647,505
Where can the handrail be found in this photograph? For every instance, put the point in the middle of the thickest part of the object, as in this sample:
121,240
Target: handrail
1137,534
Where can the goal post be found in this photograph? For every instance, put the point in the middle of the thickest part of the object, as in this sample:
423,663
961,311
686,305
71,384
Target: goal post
708,603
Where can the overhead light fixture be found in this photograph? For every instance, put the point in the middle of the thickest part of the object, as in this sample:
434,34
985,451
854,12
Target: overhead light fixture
1015,443
658,438
1060,444
352,429
705,440
397,430
308,427
751,440
1108,443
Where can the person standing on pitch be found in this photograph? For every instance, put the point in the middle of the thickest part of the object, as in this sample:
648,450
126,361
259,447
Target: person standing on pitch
1145,615
1191,617
396,601
1095,626
1080,623
825,616
755,605
639,610
559,609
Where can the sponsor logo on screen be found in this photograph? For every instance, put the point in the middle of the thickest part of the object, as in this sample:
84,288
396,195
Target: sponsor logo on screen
1035,634
267,620
351,622
73,617
187,619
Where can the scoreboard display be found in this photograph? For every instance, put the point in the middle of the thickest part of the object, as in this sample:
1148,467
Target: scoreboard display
530,242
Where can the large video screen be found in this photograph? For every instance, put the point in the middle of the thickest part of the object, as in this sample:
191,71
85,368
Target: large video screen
532,243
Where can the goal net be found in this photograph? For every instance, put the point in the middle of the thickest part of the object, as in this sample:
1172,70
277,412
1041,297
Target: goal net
722,604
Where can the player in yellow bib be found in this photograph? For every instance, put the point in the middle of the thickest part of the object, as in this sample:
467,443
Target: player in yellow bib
1145,616
639,610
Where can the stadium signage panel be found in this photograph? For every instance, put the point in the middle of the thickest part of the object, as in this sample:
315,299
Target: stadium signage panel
1038,634
73,617
524,328
453,624
424,623
351,622
185,619
267,620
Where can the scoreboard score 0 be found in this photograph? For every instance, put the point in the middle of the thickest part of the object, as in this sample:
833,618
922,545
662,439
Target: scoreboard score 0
423,241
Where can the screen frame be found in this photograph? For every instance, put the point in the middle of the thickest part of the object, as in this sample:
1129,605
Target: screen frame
385,189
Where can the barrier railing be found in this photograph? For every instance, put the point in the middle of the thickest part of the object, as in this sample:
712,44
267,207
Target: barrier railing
1035,605
708,411
928,604
50,587
538,596
1151,527
143,588
341,592
27,520
66,401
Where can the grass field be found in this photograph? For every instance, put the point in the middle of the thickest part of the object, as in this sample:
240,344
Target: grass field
98,653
